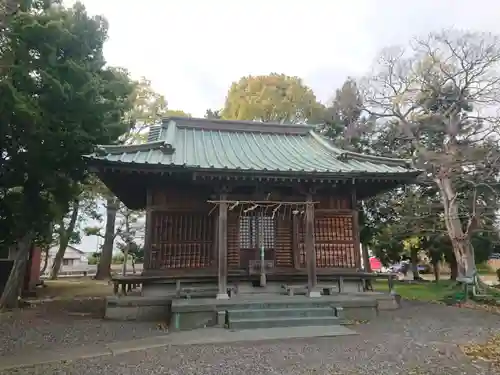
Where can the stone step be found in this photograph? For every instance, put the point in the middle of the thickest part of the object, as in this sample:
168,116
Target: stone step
287,303
251,323
281,312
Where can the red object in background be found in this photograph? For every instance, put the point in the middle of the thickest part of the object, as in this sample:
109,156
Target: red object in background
32,276
375,264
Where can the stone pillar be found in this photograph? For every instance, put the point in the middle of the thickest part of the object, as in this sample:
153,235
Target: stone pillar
222,248
310,249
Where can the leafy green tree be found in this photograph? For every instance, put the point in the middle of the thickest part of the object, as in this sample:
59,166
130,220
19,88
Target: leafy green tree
94,258
128,227
58,102
213,114
177,113
131,251
147,109
272,98
343,119
68,225
387,246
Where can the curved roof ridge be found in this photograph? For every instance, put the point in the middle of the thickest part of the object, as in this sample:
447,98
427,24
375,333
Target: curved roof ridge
120,149
346,155
237,125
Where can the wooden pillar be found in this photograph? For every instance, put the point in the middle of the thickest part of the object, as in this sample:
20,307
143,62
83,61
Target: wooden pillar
356,234
148,232
310,249
296,241
222,245
215,251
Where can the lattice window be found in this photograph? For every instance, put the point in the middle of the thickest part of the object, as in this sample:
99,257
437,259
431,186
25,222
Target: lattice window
330,255
334,242
257,231
182,240
333,229
328,229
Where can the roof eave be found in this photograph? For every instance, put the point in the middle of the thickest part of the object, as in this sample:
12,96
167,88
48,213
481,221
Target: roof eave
98,164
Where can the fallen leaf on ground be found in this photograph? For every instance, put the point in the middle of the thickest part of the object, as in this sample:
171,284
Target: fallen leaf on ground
489,351
355,322
481,306
162,326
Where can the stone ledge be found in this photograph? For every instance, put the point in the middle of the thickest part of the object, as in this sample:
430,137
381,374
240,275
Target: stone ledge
205,304
136,301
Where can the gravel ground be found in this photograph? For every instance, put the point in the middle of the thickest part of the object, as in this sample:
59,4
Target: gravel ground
419,339
59,325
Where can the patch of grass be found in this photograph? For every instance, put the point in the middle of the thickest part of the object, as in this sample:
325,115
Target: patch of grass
75,288
422,291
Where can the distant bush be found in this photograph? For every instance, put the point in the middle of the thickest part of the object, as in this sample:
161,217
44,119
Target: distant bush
117,259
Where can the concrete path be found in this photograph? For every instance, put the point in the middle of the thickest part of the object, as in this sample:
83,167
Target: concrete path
197,337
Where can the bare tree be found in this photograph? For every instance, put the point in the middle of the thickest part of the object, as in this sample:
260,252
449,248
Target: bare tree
443,92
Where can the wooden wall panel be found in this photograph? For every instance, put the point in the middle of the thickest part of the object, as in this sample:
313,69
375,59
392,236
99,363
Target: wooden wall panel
284,242
189,198
332,255
181,240
335,241
329,202
233,239
184,234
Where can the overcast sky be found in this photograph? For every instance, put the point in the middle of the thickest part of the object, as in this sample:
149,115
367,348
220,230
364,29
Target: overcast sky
192,50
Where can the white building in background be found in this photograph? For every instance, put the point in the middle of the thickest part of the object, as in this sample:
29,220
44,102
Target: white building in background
74,260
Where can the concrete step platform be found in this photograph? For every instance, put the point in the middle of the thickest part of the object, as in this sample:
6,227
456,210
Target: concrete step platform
254,323
281,312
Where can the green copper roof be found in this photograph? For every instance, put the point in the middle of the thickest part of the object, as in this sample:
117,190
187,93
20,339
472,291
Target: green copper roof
203,144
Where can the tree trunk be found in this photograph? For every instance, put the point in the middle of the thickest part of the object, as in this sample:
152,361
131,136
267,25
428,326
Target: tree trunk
64,236
414,263
45,251
366,258
104,266
127,245
125,258
465,261
460,240
453,269
12,291
436,257
133,264
437,270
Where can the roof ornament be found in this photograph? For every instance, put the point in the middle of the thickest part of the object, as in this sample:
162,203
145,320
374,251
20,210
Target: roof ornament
100,151
167,148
